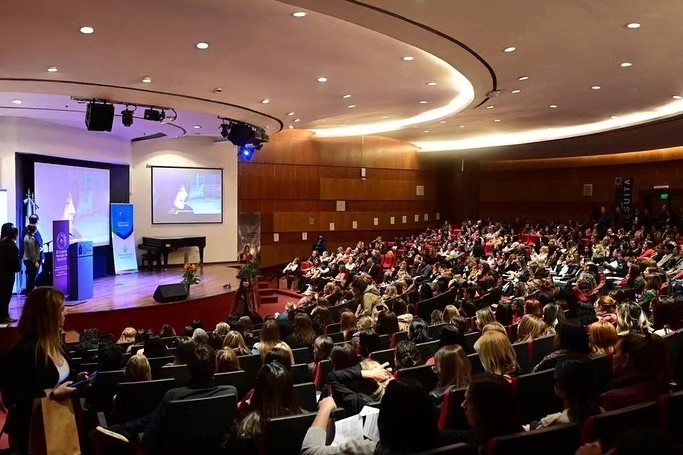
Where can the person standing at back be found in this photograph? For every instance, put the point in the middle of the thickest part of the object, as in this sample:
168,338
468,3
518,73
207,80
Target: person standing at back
9,266
31,257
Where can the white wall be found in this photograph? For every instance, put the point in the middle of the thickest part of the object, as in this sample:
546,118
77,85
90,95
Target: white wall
24,135
197,151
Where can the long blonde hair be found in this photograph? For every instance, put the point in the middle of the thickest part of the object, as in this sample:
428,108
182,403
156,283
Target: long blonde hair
235,341
530,328
496,353
453,367
270,336
41,320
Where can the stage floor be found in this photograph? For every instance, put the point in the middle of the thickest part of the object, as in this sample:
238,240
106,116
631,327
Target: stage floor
135,290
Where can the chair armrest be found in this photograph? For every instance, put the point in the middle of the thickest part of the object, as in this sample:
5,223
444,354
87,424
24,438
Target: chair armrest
101,419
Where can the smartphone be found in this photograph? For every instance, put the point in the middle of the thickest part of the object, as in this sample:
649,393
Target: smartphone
83,382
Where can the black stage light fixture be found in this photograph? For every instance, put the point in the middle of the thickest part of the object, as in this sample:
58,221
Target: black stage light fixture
99,116
153,115
225,130
241,134
127,117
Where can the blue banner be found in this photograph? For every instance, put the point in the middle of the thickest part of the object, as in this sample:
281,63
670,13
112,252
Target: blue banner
60,255
122,238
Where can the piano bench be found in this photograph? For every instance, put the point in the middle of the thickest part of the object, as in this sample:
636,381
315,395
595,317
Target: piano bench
150,259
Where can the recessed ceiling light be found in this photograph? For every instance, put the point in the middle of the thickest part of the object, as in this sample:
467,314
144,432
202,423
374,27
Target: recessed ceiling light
351,106
626,64
633,25
146,80
462,126
431,83
300,14
291,127
490,107
297,120
52,69
613,117
596,87
677,97
87,30
290,113
17,101
265,101
497,120
423,102
442,121
384,116
197,127
408,58
553,106
322,79
217,90
510,49
346,96
202,45
426,131
522,78
515,91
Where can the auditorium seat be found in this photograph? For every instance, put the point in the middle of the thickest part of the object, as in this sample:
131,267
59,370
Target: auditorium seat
156,363
285,435
384,341
470,339
337,337
250,364
435,330
104,389
305,396
535,395
477,367
673,343
199,425
453,449
136,399
237,379
423,374
607,427
302,355
602,365
428,349
386,355
556,440
322,370
452,416
671,413
397,337
541,347
179,373
300,373
332,328
522,350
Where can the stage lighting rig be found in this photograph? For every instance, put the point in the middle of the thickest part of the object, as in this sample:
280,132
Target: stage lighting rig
247,137
225,130
100,113
154,115
127,115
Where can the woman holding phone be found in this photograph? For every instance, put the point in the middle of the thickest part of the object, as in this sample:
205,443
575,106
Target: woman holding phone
38,362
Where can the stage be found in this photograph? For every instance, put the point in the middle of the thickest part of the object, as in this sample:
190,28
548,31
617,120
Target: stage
126,300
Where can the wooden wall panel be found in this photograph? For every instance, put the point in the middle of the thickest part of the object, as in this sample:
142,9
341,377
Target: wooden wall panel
297,178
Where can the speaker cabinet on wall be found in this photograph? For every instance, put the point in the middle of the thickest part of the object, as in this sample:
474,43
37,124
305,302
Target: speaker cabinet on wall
170,293
99,117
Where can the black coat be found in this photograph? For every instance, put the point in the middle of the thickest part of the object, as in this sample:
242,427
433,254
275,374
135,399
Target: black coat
9,260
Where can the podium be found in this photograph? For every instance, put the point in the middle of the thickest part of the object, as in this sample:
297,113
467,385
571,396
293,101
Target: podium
80,271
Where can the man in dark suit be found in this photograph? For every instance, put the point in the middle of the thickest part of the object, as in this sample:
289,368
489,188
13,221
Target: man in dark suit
9,266
202,366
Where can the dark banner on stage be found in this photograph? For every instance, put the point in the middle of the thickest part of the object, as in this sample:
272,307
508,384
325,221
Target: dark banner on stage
624,196
249,233
60,255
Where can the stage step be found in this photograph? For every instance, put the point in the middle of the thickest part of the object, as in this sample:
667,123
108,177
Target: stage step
268,299
263,284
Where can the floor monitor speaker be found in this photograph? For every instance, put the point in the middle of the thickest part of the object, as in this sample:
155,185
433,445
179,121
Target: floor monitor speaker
170,293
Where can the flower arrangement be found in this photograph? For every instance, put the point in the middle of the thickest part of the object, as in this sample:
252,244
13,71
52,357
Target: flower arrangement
190,275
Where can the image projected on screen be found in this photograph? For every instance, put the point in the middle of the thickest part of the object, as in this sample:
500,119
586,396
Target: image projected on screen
187,195
77,194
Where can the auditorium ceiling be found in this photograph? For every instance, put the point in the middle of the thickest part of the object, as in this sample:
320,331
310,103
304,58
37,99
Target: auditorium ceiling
459,76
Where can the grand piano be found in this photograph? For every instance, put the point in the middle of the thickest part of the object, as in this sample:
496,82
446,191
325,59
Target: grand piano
165,245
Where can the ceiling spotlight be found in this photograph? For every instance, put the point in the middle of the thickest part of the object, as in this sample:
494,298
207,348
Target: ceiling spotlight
291,127
677,97
202,45
490,107
265,101
351,106
462,126
497,120
494,93
613,117
87,30
431,83
17,101
146,80
384,117
297,120
217,90
153,115
225,130
626,64
442,121
426,131
633,25
423,102
197,127
510,49
515,91
52,69
346,97
299,14
127,117
408,58
522,78
596,87
553,106
290,113
322,79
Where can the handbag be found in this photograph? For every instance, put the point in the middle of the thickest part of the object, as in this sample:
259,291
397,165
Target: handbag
53,427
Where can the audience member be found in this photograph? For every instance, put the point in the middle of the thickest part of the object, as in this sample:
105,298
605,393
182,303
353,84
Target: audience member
138,369
603,338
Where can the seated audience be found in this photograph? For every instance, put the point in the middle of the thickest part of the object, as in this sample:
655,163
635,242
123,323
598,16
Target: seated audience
356,386
418,332
603,338
222,329
269,337
484,316
167,331
128,335
322,349
303,334
667,315
138,369
200,336
631,319
571,342
235,341
453,369
530,328
497,355
348,324
406,355
387,323
226,361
